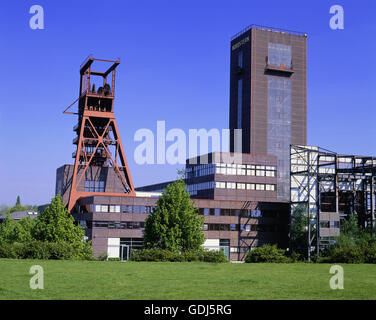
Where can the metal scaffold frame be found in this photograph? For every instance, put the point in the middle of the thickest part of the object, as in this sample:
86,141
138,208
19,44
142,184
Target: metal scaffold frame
331,186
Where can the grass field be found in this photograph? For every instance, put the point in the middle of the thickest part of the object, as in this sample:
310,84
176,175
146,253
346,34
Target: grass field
168,280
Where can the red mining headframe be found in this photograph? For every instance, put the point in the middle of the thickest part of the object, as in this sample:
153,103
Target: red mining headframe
99,148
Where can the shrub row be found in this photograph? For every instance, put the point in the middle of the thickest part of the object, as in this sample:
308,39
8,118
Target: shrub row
45,250
203,255
267,253
351,254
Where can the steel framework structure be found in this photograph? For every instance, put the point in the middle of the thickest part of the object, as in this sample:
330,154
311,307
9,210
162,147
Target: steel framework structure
331,186
98,140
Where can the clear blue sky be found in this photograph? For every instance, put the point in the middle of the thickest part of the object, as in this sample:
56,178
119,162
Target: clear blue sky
175,67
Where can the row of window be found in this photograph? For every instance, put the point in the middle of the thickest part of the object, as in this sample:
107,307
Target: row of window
231,169
119,225
124,208
245,186
254,213
240,227
206,226
193,188
329,224
230,212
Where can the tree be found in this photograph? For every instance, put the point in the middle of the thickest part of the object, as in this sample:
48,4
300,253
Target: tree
174,224
350,226
56,224
19,207
298,231
16,231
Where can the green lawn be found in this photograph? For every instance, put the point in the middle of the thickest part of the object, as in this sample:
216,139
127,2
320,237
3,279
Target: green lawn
165,280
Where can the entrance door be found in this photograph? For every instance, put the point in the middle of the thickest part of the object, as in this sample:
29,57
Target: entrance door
224,245
226,251
124,252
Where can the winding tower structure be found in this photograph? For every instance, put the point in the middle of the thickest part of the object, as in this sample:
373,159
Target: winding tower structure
100,166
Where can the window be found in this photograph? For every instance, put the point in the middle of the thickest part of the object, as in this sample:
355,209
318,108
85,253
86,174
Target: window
250,186
279,55
240,102
270,173
126,209
241,186
136,209
255,213
225,227
235,212
214,227
260,187
225,212
240,59
240,172
279,130
245,213
260,173
270,187
94,186
114,208
231,185
251,172
97,224
334,224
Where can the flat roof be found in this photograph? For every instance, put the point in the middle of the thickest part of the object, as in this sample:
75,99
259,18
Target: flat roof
259,27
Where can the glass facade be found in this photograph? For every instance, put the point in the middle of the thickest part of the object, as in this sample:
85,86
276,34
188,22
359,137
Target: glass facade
94,186
279,55
279,130
240,103
240,59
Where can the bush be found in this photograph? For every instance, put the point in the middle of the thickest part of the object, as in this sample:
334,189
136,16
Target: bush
213,256
9,250
370,253
35,250
350,253
190,256
44,250
113,259
102,257
155,255
187,256
267,253
62,251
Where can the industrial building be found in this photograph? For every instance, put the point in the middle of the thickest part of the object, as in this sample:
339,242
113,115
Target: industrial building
246,199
